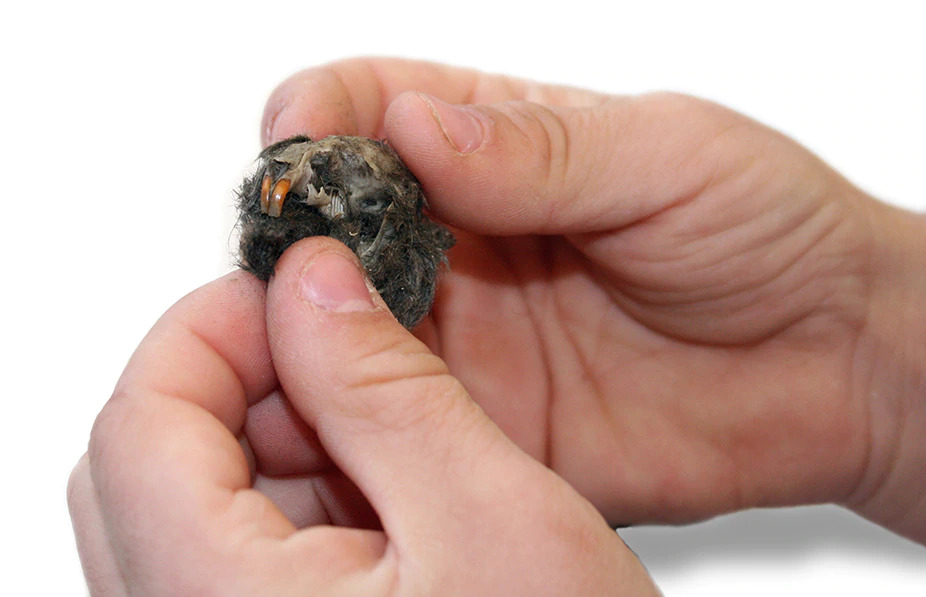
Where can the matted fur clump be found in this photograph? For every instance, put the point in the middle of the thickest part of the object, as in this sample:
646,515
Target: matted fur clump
357,191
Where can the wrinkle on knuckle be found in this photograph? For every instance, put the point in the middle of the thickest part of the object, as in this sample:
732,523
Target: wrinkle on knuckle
400,402
392,358
544,130
395,383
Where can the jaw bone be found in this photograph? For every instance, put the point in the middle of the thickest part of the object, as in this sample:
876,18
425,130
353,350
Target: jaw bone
296,176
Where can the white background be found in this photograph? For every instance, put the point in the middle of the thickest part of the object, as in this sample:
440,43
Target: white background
125,127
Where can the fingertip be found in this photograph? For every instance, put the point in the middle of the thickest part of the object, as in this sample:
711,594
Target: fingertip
461,126
411,127
313,102
478,171
324,273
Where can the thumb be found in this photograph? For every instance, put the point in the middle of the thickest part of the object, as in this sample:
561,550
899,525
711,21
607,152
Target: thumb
385,408
520,167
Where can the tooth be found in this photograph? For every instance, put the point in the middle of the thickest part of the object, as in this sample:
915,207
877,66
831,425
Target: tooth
276,201
317,197
265,194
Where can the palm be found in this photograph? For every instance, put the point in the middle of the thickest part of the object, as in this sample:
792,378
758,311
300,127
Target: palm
657,371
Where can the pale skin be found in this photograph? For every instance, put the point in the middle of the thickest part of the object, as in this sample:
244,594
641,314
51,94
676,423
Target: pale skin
658,311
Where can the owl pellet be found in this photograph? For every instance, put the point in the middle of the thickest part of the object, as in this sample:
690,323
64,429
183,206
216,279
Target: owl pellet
353,189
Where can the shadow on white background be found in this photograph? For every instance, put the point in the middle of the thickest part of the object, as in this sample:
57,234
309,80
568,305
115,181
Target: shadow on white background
804,551
776,535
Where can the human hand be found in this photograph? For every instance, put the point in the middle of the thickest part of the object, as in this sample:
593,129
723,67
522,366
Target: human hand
678,310
204,478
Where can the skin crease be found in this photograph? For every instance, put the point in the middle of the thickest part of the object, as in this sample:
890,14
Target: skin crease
676,310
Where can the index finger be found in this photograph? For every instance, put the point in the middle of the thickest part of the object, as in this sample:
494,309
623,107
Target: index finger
172,480
163,453
350,97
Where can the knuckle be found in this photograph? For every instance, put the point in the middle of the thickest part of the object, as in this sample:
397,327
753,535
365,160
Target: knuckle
674,102
415,403
397,387
542,128
77,481
685,111
110,419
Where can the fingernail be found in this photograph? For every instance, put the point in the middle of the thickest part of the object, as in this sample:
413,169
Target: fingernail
334,283
461,125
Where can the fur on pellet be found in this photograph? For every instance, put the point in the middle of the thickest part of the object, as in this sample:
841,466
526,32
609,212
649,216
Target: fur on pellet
381,218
